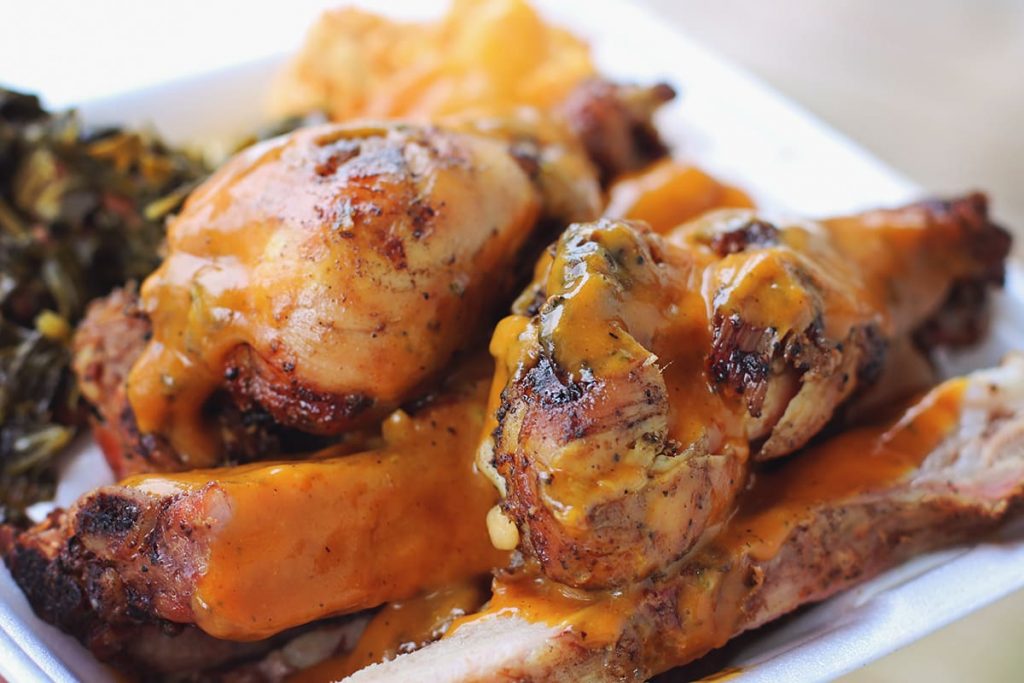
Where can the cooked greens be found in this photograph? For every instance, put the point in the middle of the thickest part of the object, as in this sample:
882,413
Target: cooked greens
81,212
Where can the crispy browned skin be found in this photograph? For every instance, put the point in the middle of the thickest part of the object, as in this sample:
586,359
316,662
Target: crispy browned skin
653,369
615,124
324,278
96,604
251,551
106,344
949,469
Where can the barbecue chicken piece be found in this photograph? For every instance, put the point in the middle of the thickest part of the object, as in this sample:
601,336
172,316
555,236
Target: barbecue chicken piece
106,345
323,278
948,469
247,552
326,276
653,370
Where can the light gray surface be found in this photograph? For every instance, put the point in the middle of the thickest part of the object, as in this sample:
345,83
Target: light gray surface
933,87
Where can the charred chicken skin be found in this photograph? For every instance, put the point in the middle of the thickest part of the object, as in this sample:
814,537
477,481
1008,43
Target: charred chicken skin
106,345
244,553
321,476
945,470
642,374
323,278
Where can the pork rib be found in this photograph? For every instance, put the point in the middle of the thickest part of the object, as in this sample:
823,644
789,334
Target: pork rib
250,551
950,468
92,603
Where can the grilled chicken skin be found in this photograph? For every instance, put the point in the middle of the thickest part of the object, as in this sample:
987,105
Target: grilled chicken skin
948,468
247,552
106,345
642,374
325,277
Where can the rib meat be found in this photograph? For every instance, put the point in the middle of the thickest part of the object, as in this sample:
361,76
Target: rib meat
68,589
948,469
247,552
645,372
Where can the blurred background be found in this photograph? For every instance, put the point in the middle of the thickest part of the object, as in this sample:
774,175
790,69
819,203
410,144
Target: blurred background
933,87
936,89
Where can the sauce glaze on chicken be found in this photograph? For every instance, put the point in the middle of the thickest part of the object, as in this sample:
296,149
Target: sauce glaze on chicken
641,374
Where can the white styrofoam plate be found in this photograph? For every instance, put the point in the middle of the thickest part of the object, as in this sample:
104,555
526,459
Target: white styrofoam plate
742,131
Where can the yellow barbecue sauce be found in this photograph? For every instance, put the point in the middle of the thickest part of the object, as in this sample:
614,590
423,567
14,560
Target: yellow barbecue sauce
347,274
858,462
304,540
599,616
401,627
669,193
620,321
194,303
365,545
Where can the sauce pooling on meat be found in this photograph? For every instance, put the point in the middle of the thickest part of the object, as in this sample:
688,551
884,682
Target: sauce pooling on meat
645,372
669,193
622,397
287,543
857,464
401,627
325,275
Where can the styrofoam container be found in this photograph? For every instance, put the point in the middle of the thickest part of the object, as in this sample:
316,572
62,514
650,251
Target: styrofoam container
740,130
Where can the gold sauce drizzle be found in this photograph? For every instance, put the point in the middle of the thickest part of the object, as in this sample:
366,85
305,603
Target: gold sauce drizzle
400,627
640,330
191,301
856,463
308,249
668,315
538,598
304,540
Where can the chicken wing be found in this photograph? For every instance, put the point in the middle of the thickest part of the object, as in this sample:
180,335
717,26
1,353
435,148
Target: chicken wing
644,373
946,470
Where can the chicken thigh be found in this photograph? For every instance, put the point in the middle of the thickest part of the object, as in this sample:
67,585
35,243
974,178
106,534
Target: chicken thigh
325,277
